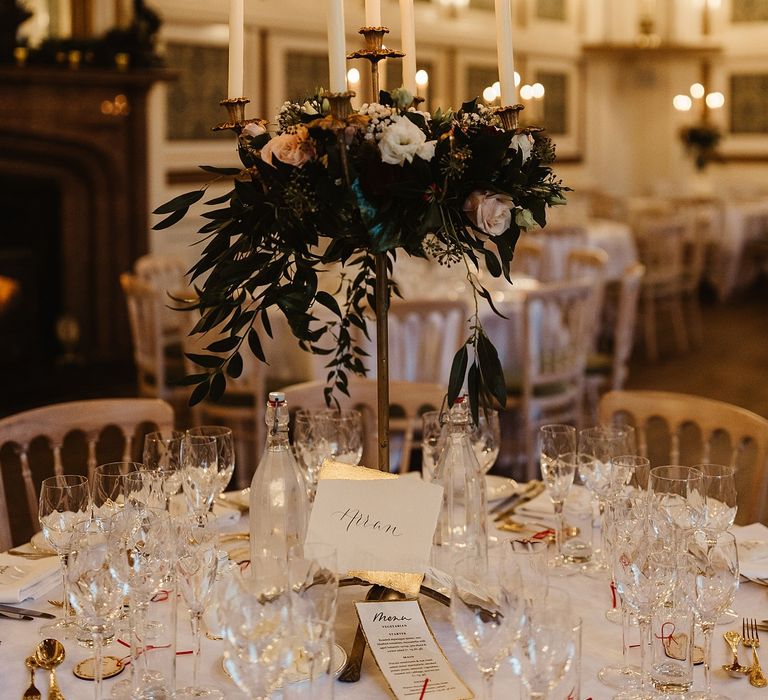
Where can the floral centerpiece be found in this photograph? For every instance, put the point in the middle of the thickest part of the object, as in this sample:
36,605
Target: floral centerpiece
324,188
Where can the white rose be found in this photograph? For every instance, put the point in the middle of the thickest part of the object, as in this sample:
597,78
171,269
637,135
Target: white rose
522,143
491,213
524,219
402,140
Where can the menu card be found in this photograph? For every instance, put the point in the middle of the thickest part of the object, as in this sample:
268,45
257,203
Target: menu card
407,653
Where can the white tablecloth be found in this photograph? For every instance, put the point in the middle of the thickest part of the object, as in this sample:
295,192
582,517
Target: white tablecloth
590,596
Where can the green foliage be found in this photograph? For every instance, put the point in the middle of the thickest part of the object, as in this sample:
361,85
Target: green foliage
297,206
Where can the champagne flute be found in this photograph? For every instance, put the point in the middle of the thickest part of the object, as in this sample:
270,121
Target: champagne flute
433,436
225,450
64,512
715,573
485,437
557,444
200,472
196,565
309,447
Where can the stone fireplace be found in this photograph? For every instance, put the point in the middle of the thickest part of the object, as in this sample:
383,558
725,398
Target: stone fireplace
73,206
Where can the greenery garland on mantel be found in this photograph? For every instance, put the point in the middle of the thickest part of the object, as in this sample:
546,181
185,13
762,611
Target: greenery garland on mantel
455,187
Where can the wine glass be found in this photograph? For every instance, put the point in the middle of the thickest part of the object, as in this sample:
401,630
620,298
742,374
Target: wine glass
485,436
433,436
108,495
309,447
677,500
487,612
225,448
254,615
64,512
556,442
200,476
196,565
151,488
714,563
162,450
94,592
342,432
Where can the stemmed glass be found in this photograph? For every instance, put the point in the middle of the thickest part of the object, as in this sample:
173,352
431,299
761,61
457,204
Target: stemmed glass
597,447
143,538
109,489
485,437
714,563
487,609
196,564
677,501
308,445
645,578
64,512
94,592
162,450
254,614
557,443
200,472
151,488
342,432
225,449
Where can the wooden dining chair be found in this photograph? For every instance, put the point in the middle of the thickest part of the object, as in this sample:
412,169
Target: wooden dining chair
556,342
590,264
688,430
407,402
156,353
72,437
424,336
661,243
608,367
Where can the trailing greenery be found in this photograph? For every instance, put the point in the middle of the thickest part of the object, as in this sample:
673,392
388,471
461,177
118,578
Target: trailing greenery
389,179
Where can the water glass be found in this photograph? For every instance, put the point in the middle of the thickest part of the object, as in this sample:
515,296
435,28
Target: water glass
676,501
531,559
108,488
162,450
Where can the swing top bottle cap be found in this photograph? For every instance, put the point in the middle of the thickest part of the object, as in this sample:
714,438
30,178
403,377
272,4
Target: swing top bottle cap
276,398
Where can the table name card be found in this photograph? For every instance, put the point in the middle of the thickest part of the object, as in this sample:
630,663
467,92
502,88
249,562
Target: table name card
376,525
405,650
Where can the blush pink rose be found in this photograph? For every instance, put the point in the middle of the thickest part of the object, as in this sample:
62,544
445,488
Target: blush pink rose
490,212
293,149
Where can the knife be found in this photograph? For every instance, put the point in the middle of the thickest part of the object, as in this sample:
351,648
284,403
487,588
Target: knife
25,611
529,496
14,616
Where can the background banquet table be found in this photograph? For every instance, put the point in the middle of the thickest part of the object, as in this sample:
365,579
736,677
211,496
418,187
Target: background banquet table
590,597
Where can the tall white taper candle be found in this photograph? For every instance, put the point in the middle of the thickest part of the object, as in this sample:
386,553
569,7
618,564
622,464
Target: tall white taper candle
504,50
236,47
372,13
408,38
337,52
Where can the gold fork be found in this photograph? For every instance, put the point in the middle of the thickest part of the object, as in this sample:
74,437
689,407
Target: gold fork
751,639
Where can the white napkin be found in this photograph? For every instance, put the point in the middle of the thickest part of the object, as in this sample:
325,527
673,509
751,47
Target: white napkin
752,542
224,514
27,578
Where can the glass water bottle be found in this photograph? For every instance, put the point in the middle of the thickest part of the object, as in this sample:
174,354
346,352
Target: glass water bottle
462,525
279,507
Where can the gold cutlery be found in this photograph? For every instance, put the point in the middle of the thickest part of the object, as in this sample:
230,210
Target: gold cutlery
31,693
734,669
48,655
234,537
750,639
224,499
533,490
56,603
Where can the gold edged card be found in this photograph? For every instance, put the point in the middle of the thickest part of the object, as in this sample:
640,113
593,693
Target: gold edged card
406,583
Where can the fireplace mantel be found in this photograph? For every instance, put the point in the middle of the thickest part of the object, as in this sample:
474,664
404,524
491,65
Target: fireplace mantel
87,131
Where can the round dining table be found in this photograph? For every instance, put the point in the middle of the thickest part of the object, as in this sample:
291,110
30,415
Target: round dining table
590,597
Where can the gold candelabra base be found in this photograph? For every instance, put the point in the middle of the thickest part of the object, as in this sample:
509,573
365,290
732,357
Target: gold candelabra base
235,107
